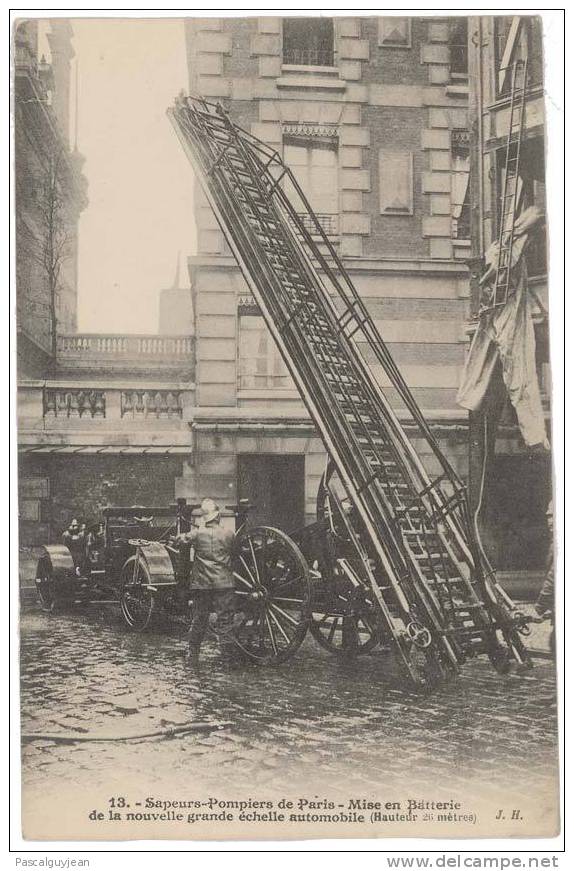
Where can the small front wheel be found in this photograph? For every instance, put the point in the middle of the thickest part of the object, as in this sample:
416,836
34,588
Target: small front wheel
45,586
136,599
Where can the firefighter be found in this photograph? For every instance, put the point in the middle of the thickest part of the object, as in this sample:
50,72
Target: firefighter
74,538
211,584
544,606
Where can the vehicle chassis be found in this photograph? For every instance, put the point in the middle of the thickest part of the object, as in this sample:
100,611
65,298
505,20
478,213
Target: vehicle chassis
314,579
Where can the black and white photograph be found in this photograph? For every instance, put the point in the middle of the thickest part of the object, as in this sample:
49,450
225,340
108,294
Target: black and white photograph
286,501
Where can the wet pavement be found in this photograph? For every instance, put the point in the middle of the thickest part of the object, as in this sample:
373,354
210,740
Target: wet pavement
350,723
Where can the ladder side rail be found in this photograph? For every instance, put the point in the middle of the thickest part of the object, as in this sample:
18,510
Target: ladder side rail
417,567
385,411
354,300
392,420
311,276
521,99
505,247
377,344
352,350
463,570
411,458
468,566
426,594
308,398
509,143
427,598
375,339
421,593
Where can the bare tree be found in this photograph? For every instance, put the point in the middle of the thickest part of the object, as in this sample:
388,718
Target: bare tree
56,239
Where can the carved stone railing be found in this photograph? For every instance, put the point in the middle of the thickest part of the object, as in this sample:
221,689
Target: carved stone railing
111,344
74,402
151,403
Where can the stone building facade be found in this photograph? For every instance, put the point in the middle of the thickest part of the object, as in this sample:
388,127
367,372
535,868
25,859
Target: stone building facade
50,191
102,419
371,115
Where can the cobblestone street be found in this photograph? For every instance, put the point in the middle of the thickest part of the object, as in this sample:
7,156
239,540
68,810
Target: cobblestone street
313,719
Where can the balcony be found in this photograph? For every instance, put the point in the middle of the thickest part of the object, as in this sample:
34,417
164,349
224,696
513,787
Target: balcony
94,416
127,354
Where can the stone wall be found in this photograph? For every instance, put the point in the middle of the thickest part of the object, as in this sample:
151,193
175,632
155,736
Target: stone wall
54,489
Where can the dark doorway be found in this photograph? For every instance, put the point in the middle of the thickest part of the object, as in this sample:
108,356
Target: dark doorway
515,505
275,485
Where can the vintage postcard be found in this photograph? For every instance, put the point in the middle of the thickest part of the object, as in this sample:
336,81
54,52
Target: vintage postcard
284,427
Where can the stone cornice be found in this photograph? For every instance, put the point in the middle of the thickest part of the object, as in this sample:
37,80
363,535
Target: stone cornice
362,265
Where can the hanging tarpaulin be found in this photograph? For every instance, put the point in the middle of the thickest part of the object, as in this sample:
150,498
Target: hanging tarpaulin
506,334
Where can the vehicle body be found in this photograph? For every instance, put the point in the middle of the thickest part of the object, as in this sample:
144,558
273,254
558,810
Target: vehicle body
130,558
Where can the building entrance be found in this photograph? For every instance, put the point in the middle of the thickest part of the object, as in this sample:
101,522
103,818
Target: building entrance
275,486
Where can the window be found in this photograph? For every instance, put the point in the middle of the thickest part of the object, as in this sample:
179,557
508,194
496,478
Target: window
460,184
308,42
260,363
315,165
396,182
395,32
458,48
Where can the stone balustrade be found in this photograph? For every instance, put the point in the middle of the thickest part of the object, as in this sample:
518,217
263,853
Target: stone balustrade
156,356
121,412
117,344
73,402
151,403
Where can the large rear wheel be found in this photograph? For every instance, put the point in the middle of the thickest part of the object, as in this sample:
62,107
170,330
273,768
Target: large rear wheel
273,592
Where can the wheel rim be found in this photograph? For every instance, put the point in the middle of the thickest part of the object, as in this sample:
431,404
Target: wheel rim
273,595
343,620
45,586
137,601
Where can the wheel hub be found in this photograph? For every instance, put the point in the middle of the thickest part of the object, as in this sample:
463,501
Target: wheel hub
259,595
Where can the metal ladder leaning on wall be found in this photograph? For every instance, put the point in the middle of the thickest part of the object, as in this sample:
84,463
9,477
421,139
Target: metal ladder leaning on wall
422,560
509,199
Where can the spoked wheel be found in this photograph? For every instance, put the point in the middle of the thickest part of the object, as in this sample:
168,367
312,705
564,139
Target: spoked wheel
343,619
136,599
273,592
45,586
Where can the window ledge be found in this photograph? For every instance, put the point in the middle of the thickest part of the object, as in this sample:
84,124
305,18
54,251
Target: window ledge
268,393
310,77
310,69
457,90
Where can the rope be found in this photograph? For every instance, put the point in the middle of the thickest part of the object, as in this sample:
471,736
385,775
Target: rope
481,495
161,733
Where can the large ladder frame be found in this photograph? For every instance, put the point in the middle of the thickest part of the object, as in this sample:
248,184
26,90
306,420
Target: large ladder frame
429,574
509,199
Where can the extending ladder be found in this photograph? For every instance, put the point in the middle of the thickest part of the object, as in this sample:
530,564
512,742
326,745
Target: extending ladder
428,580
509,199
